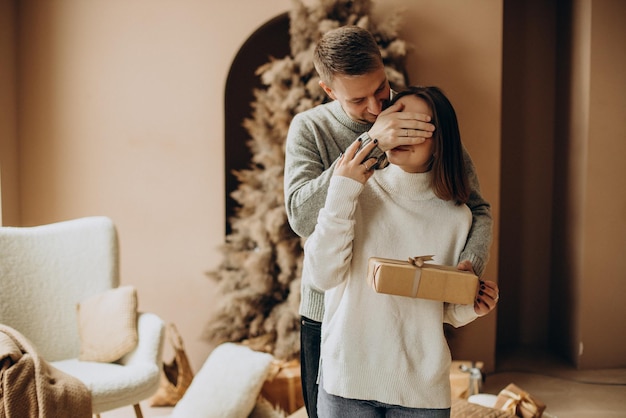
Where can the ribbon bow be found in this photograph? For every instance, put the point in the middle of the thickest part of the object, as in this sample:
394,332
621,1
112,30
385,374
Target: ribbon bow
518,401
419,260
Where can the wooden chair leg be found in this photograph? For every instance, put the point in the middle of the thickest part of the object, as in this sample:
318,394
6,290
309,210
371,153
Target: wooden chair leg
138,410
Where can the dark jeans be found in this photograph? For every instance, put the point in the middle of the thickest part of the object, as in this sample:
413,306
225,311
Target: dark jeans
310,341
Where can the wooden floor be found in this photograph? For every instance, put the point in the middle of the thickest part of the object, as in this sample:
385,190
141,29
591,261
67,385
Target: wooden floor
567,392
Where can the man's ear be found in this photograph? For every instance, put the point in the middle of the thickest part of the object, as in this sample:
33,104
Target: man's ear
327,89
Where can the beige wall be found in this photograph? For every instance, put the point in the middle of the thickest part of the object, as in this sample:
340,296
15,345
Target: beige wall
9,196
120,113
528,118
599,128
562,201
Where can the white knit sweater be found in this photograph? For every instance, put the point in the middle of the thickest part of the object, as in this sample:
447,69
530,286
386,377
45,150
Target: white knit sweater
374,346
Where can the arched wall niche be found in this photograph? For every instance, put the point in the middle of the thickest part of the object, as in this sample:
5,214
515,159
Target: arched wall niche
269,40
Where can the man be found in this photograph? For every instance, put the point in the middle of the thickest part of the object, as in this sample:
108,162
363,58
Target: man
352,73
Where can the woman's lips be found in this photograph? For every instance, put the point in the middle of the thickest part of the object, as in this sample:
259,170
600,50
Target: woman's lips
402,148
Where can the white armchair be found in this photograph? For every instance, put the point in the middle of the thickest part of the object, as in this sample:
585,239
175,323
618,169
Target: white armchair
45,271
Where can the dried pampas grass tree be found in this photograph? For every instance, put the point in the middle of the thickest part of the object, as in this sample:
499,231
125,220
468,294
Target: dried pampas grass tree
259,277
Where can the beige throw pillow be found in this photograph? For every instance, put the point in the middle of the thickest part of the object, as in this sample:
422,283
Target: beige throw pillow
227,385
107,325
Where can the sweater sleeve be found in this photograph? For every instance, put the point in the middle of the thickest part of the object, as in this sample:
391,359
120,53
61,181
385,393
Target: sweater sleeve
328,251
458,315
306,177
480,236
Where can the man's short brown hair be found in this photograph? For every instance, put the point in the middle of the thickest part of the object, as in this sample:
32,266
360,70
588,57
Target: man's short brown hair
347,50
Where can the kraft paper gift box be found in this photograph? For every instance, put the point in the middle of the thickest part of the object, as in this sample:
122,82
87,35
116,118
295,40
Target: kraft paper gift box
516,400
417,279
283,387
460,377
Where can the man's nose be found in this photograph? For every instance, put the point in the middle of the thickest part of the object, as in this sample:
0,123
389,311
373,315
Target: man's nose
374,106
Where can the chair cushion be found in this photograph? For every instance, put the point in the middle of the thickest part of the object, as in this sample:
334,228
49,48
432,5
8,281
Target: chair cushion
113,385
107,325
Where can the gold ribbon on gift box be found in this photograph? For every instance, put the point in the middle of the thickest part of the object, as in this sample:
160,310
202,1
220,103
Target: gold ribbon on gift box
419,263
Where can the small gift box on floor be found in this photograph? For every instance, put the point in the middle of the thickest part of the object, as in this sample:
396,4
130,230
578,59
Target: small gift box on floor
521,403
283,387
417,279
463,375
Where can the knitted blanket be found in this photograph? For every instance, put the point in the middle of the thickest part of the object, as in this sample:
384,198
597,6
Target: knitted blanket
30,387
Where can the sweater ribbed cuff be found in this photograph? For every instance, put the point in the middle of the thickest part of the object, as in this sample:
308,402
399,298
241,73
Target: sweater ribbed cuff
477,263
312,304
377,153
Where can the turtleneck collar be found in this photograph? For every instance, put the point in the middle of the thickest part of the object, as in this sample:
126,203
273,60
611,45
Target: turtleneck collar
413,186
345,120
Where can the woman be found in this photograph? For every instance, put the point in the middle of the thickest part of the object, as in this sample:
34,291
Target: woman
383,355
